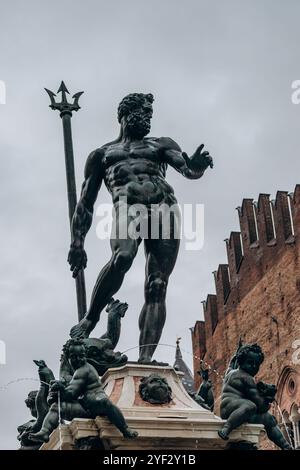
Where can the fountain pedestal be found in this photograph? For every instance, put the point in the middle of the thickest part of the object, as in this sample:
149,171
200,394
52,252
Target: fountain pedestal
181,424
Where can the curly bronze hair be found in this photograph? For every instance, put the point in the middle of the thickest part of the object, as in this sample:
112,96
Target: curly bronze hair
131,102
246,349
73,342
147,386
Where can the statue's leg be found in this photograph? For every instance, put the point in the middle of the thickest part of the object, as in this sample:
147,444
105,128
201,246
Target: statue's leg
276,436
111,276
161,257
241,412
41,406
272,429
115,416
50,423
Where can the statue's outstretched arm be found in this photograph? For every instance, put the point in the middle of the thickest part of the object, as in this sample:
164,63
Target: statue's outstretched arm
74,389
193,167
83,215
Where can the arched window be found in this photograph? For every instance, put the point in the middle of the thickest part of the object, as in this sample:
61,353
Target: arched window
288,388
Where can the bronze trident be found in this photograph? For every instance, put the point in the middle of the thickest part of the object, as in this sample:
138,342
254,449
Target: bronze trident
66,110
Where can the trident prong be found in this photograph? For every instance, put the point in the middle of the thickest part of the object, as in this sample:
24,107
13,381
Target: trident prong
76,98
63,90
64,106
51,96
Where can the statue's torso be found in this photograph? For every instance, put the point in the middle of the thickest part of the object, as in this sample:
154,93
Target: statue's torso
234,384
135,171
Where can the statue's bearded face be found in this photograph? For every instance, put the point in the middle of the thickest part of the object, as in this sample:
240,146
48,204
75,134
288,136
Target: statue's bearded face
137,123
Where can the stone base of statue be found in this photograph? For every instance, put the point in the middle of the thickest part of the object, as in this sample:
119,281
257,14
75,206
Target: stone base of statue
155,404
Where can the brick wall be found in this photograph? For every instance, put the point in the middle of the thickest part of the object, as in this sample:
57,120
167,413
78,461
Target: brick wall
258,297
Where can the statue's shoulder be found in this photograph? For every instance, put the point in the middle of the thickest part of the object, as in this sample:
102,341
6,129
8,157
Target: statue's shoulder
82,372
233,373
96,155
94,161
246,379
168,144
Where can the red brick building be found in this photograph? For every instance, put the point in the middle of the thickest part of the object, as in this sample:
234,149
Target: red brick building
258,298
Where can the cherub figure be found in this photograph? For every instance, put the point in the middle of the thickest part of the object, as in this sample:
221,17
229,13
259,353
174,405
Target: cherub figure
245,401
82,397
24,429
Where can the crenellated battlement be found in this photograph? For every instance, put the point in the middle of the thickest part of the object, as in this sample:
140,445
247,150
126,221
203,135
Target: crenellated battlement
268,228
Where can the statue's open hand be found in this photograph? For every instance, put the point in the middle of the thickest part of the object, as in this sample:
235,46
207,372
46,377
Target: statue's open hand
201,160
77,259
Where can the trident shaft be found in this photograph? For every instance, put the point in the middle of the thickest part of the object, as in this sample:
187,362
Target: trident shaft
66,110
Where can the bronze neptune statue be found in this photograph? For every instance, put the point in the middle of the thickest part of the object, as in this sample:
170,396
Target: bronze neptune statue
133,168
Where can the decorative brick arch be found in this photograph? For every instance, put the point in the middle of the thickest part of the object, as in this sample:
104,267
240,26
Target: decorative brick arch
288,386
288,398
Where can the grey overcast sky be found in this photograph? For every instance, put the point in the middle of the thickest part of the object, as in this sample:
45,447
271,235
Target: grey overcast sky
221,73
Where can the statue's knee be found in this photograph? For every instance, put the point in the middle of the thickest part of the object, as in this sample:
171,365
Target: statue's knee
156,287
122,260
106,402
250,409
104,405
269,420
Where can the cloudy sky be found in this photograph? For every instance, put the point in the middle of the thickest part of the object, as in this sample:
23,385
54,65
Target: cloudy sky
221,73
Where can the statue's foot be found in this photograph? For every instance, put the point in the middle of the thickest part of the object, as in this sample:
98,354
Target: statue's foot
287,446
144,360
82,329
129,433
223,435
40,436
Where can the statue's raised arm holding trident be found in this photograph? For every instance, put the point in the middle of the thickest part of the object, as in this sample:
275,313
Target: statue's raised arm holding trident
133,168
